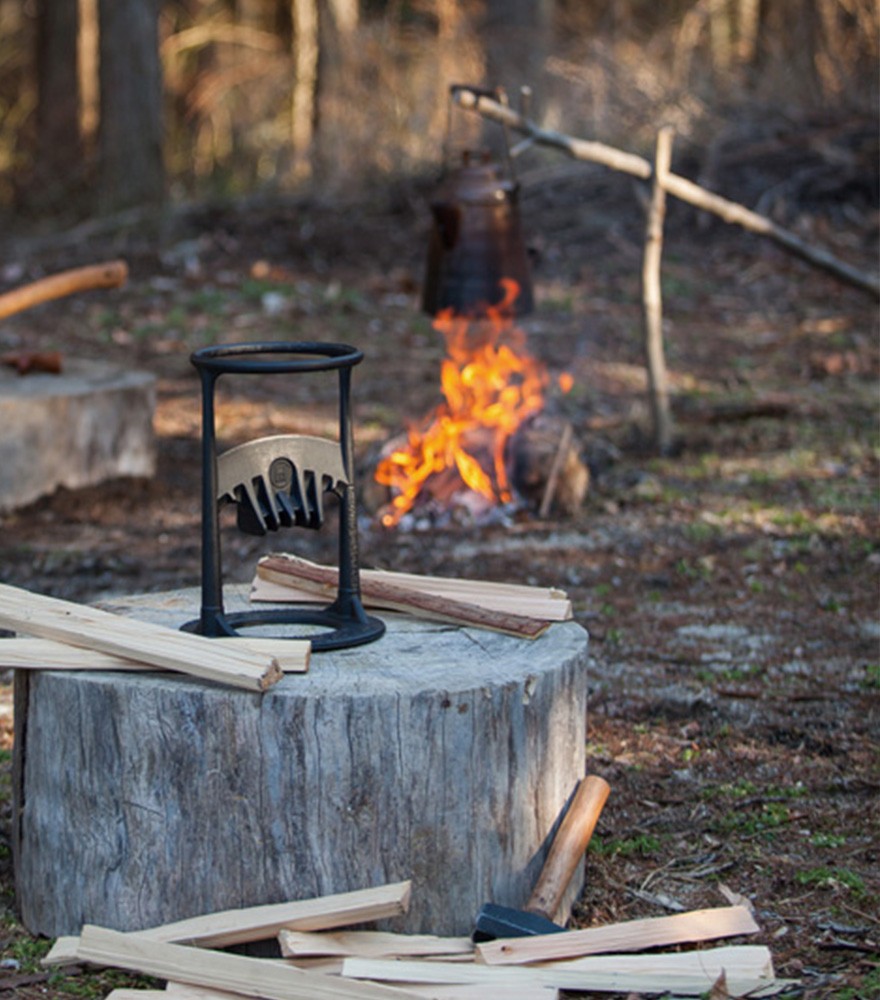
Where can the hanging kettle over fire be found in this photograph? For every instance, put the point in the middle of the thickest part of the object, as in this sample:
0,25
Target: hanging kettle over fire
476,239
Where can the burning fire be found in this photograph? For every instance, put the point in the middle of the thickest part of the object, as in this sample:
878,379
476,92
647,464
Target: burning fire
490,386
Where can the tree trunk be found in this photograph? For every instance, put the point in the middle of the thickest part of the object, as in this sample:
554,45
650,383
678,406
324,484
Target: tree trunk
130,139
59,149
517,35
437,754
304,15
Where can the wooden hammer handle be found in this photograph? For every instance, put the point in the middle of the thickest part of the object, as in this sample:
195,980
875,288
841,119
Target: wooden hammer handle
111,274
568,846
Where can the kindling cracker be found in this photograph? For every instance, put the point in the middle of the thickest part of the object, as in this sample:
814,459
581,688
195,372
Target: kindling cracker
279,482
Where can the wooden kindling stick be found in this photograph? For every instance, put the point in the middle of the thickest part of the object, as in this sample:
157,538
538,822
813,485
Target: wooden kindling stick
323,580
292,655
546,603
78,625
260,977
225,928
630,935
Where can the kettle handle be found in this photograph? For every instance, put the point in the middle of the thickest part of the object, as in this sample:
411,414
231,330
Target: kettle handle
496,94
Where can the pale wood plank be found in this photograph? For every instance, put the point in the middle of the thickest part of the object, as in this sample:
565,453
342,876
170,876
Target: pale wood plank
259,923
293,655
329,966
539,602
131,993
323,580
62,952
179,991
260,977
78,625
748,968
370,944
182,991
630,935
479,992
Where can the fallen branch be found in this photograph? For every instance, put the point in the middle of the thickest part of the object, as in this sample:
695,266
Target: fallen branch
323,580
679,187
78,625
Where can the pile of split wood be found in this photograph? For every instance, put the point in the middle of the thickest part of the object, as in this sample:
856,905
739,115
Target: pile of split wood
322,962
516,609
62,635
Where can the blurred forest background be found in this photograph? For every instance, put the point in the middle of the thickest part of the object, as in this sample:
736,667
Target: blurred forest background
110,104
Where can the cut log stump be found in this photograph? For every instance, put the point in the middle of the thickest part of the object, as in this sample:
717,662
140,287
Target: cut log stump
439,754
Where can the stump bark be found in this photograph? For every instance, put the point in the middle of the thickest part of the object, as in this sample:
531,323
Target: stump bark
440,754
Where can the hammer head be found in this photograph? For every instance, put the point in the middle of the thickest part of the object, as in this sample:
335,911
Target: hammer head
495,921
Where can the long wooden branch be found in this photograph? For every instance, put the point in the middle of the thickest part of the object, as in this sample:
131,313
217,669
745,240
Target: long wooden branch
579,149
679,187
652,301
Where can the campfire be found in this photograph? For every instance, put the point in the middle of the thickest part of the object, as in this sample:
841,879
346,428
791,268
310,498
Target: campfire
460,454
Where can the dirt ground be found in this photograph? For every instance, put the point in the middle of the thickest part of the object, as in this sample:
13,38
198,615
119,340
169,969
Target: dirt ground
730,590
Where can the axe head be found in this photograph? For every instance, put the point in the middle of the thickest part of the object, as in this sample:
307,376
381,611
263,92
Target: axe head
494,921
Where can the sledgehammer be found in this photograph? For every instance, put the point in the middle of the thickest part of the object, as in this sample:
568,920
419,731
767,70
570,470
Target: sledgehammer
569,844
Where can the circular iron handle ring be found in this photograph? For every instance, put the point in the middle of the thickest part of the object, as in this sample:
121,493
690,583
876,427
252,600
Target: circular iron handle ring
241,358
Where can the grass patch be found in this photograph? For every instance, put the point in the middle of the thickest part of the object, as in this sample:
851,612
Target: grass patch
762,823
644,845
826,877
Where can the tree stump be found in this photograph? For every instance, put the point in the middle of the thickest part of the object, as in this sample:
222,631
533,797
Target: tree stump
440,754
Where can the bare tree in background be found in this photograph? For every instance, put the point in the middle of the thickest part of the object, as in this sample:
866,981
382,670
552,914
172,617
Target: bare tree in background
304,14
58,163
517,35
130,132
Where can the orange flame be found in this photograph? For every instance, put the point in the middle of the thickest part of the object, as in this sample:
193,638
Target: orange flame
490,386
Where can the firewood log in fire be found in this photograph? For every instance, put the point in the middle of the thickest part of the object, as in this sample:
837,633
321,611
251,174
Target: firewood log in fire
544,466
